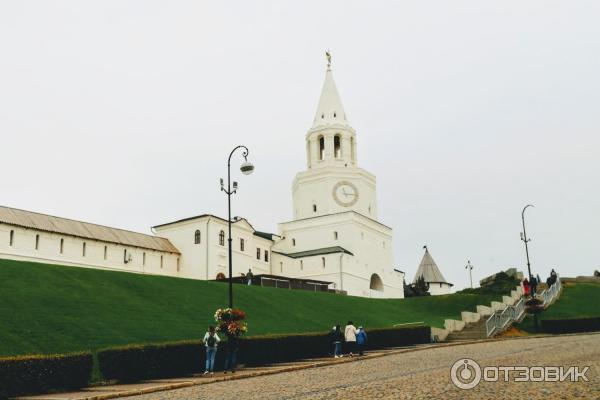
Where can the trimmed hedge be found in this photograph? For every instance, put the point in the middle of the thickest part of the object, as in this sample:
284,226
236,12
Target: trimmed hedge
44,373
134,363
576,325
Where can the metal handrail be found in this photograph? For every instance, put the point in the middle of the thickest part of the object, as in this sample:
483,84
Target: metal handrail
500,319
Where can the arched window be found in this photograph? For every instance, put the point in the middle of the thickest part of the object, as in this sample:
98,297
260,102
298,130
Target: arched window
197,237
376,283
222,238
221,276
62,245
11,240
337,146
321,147
352,156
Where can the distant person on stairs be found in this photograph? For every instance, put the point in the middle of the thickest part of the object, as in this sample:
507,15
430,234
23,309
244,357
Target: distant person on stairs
350,336
249,277
526,287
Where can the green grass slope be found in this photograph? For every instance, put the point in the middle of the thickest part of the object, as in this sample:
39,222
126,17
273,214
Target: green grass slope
54,309
577,300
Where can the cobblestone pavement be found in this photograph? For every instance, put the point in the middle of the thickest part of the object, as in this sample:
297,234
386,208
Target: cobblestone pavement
421,374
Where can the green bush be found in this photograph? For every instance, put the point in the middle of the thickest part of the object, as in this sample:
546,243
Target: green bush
165,360
501,285
45,373
575,325
134,363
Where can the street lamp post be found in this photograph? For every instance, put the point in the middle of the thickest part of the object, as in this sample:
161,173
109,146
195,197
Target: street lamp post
246,168
470,268
525,240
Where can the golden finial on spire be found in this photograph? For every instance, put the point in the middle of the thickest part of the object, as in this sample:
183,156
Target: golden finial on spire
328,55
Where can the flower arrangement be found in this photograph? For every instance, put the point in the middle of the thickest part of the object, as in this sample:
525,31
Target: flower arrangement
230,321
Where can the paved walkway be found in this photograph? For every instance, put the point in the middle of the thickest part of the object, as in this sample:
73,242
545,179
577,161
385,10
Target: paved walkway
405,373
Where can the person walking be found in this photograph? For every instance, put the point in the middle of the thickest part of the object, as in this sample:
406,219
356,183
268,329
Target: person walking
361,340
231,347
337,338
525,287
533,284
249,276
350,336
211,341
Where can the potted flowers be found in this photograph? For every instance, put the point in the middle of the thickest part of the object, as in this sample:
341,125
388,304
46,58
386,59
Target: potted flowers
230,321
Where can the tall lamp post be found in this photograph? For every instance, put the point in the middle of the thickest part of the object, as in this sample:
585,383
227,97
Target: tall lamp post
246,168
470,268
525,240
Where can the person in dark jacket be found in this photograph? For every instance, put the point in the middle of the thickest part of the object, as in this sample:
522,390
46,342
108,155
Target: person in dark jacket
337,337
231,349
533,283
361,340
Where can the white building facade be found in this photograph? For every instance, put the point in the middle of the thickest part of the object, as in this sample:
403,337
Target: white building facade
334,235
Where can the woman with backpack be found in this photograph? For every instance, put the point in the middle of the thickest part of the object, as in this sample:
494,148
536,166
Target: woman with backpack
361,340
211,340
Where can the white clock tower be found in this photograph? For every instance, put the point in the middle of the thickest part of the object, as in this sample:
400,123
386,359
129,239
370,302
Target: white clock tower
335,235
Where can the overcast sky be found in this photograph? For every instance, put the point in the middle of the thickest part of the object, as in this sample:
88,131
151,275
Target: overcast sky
123,113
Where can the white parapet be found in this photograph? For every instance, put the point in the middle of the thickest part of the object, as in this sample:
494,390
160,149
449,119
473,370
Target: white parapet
497,306
484,311
470,316
508,300
439,334
454,325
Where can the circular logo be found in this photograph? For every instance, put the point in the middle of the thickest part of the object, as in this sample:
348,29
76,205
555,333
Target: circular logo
465,373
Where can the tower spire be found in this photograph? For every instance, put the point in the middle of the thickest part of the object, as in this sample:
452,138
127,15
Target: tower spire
330,109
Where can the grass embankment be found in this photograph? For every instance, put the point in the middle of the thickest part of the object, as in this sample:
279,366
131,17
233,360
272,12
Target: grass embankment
577,300
55,309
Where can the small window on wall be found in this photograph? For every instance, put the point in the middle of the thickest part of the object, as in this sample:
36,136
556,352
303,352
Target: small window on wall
222,238
105,252
314,208
323,261
177,264
197,237
281,266
301,265
62,245
125,256
161,262
335,235
266,256
293,242
241,244
321,147
83,250
144,258
11,239
258,253
37,242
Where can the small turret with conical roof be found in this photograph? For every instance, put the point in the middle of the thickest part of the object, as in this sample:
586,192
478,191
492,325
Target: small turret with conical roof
429,270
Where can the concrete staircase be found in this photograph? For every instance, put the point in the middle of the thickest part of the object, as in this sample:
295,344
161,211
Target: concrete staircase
471,331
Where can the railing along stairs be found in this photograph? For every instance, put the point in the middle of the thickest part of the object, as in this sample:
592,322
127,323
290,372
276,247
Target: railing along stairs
500,320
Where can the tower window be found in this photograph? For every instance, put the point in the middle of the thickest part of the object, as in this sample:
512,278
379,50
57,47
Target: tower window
335,235
293,242
62,245
314,208
144,258
322,116
222,238
37,242
125,256
177,264
197,237
11,239
266,256
161,262
83,249
241,244
321,147
352,155
337,146
323,261
105,252
258,253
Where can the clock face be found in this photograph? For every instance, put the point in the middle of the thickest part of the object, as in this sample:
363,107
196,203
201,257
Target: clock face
345,193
